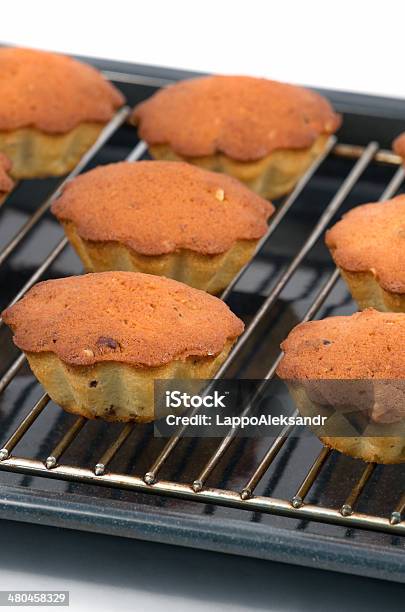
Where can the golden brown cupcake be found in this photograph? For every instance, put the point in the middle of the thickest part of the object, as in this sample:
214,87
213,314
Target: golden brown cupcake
352,370
6,184
262,132
368,246
166,218
52,109
97,342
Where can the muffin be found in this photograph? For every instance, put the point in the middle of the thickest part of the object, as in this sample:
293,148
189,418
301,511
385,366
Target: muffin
352,370
262,132
6,183
368,246
165,218
52,109
97,342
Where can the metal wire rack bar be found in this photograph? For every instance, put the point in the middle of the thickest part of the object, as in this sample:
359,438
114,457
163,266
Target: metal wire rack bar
12,371
267,460
65,442
350,151
24,426
310,478
113,449
347,508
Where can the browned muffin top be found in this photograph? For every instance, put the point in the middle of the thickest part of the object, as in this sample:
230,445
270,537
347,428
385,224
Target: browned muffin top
6,184
159,207
399,145
52,92
371,238
128,317
368,344
244,117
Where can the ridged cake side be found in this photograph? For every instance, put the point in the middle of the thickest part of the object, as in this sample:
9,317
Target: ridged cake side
49,154
115,391
271,177
211,273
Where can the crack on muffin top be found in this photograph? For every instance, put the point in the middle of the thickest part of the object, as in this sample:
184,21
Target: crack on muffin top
245,118
109,318
51,92
156,207
371,238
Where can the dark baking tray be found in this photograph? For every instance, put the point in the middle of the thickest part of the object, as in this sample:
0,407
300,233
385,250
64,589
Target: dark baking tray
175,521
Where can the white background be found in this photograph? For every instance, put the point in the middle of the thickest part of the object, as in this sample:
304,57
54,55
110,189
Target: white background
353,45
356,45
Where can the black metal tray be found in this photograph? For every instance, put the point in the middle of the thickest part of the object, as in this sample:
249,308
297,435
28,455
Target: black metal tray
174,519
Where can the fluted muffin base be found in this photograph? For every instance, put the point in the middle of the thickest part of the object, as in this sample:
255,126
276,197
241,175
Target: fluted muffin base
271,177
385,446
211,273
36,154
114,391
368,293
